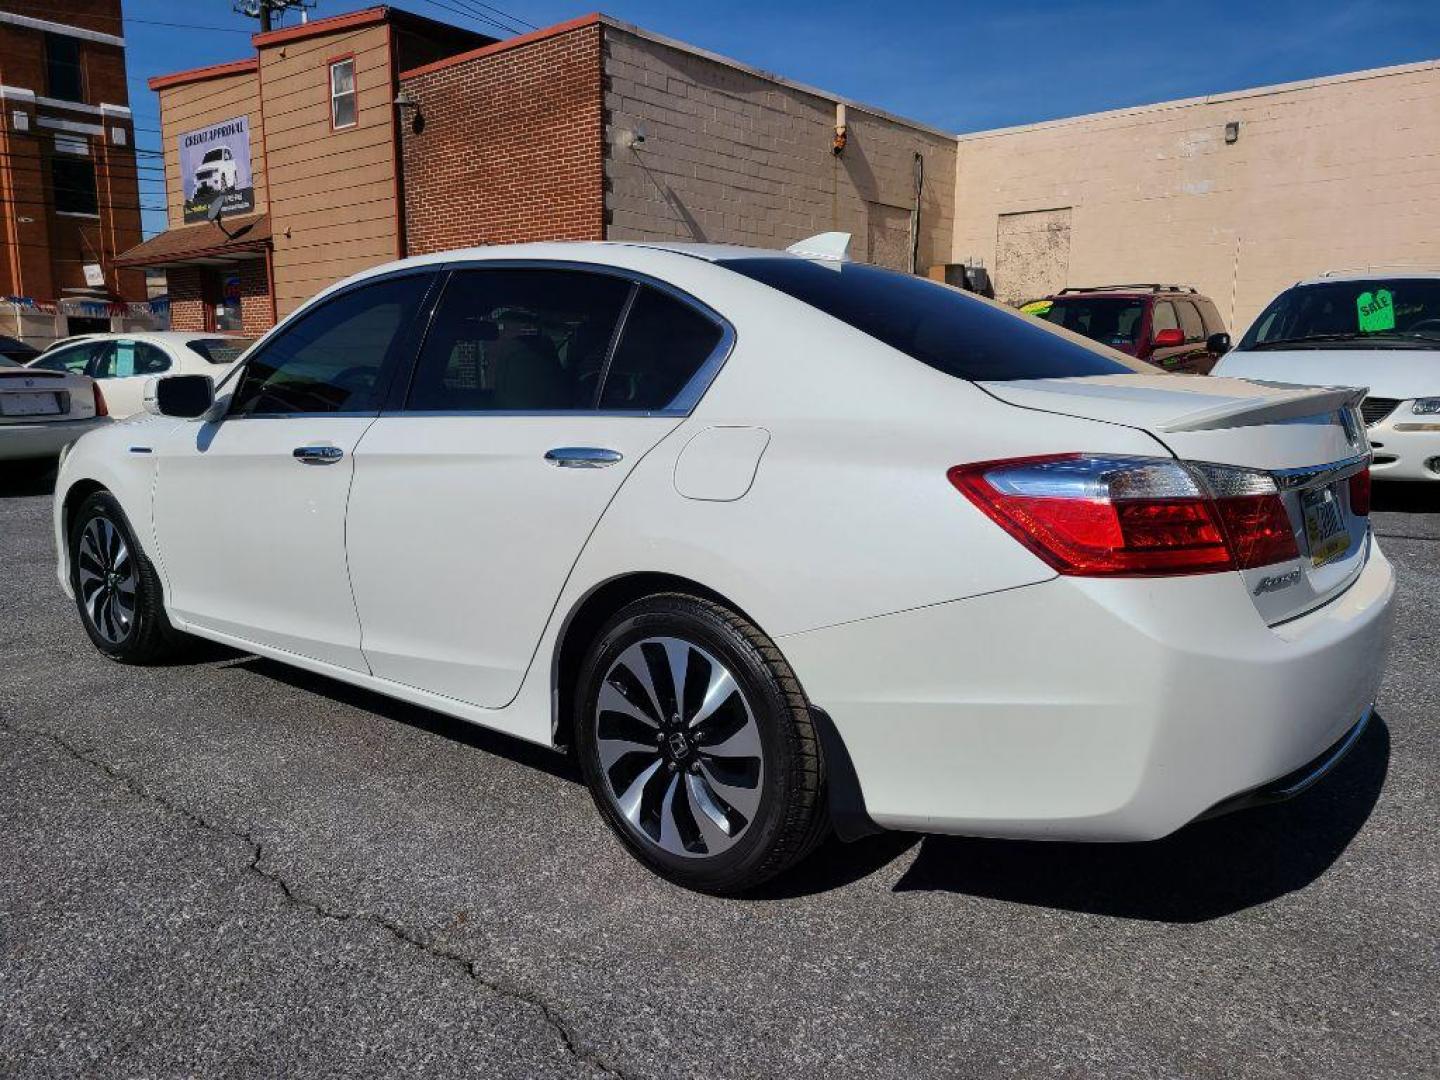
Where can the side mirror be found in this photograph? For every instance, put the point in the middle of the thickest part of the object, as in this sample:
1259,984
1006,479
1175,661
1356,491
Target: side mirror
186,396
1169,338
1219,344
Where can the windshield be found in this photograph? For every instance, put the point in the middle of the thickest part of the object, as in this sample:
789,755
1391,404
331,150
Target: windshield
220,350
952,331
1375,313
213,155
1109,320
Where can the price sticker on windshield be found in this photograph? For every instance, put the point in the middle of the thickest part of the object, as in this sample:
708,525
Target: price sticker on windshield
1376,311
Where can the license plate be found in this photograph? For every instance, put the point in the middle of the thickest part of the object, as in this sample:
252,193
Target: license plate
1325,531
29,404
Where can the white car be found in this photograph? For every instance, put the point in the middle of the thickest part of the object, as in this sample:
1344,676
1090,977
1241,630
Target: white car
216,171
42,412
1378,331
124,363
768,539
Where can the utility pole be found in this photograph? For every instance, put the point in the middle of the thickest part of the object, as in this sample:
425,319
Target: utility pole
266,10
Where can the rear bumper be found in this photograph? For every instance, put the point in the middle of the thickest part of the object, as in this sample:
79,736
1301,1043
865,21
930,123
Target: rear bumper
1092,710
42,440
1402,454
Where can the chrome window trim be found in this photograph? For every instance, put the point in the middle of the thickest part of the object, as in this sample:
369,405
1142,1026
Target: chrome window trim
681,405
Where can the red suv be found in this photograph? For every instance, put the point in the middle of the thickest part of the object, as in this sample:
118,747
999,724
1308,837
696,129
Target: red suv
1171,326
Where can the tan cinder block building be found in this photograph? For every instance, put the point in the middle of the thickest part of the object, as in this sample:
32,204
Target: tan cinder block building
1315,175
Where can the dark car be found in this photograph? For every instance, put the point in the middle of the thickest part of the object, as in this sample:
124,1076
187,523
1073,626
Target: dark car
1170,326
16,351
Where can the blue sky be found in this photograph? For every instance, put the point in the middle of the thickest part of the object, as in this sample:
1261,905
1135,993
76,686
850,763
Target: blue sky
961,65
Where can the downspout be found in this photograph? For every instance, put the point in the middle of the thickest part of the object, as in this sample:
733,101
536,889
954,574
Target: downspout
919,169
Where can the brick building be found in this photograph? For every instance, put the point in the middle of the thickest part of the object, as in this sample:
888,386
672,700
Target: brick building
378,134
69,196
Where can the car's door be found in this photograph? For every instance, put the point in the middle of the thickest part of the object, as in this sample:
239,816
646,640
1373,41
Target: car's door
124,369
1196,358
249,510
537,391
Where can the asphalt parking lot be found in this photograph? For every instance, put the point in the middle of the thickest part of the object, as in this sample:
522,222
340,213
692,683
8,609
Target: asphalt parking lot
231,868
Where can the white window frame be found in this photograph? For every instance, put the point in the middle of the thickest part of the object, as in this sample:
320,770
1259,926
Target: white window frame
353,93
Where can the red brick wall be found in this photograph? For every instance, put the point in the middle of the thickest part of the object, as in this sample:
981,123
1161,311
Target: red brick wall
511,148
187,306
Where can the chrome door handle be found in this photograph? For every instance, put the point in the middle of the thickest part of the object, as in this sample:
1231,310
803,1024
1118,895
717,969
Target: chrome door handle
582,457
318,455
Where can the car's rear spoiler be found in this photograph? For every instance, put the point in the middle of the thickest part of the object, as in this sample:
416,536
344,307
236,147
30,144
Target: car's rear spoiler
1298,402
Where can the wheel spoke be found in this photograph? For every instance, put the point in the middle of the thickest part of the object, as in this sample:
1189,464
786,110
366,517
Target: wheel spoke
713,823
677,656
612,750
635,662
629,802
670,838
746,800
613,700
742,743
721,688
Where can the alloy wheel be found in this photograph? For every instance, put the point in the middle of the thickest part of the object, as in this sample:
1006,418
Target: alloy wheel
105,574
679,747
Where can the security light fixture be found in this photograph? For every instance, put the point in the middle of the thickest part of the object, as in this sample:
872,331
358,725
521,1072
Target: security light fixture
1232,132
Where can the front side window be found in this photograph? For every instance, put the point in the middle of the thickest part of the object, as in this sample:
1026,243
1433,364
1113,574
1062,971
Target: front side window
944,328
1374,313
75,359
72,185
519,340
129,358
64,77
343,105
336,357
1163,318
663,345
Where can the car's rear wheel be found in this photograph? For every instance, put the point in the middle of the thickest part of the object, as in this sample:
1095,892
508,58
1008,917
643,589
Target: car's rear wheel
116,587
698,744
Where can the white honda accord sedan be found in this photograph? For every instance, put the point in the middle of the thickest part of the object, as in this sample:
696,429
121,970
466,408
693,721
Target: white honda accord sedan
773,541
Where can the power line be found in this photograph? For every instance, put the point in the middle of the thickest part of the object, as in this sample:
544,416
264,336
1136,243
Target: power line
190,26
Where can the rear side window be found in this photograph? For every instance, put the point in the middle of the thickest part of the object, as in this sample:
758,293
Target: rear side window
946,329
337,357
665,342
1190,321
1211,314
519,340
129,358
1110,321
1163,317
74,358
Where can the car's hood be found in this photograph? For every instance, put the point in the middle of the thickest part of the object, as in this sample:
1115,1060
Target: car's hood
1391,373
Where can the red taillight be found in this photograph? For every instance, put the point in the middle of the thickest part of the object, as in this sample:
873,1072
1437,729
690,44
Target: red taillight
101,409
1093,515
1360,493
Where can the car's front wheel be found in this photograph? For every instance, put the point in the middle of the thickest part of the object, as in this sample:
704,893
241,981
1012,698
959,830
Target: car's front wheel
698,744
116,587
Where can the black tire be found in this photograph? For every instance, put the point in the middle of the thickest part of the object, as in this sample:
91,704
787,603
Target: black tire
791,817
146,636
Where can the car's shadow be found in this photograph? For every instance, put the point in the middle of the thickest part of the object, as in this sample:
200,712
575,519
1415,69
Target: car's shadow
20,479
1406,498
1204,871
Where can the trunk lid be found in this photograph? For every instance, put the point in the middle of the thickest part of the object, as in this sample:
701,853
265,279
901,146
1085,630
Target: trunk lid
1310,440
30,396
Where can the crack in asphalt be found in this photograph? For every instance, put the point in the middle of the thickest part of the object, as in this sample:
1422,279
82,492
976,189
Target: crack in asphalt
471,967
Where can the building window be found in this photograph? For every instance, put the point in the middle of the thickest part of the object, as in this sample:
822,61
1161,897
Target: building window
63,76
72,184
342,93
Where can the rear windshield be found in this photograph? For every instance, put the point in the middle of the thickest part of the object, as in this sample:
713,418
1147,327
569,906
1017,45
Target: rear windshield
1375,313
1109,320
220,350
947,329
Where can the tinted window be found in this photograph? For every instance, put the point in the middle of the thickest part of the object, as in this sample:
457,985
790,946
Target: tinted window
63,75
663,345
72,185
1163,318
519,340
131,358
950,330
1211,314
1190,321
335,358
73,358
219,350
1110,321
1377,313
